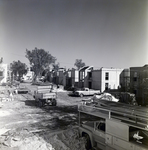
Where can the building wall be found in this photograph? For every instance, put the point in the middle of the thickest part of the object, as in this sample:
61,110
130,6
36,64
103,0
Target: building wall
99,79
67,80
113,78
3,73
50,76
96,79
87,83
135,81
75,77
139,84
83,76
55,77
125,80
64,80
61,74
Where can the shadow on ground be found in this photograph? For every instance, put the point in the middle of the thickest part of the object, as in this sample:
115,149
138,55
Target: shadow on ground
54,117
30,102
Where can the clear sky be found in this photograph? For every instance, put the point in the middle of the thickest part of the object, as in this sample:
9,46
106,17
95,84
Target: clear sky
103,33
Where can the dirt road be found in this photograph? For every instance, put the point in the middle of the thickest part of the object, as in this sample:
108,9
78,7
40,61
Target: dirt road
25,126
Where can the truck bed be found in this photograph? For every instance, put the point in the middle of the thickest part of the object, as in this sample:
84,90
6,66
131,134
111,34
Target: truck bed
134,115
44,92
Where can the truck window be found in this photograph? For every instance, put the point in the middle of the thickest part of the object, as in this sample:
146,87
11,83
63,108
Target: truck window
101,126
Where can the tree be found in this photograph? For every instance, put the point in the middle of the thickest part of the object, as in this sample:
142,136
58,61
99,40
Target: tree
39,60
18,69
79,64
56,67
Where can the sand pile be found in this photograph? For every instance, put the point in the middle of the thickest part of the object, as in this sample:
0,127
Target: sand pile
22,139
68,140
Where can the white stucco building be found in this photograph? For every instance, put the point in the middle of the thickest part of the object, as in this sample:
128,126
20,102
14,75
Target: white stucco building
104,78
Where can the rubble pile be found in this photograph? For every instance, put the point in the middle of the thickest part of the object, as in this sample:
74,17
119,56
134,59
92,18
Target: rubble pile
23,126
6,94
68,140
22,139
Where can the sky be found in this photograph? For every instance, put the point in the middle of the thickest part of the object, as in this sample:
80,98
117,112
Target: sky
103,33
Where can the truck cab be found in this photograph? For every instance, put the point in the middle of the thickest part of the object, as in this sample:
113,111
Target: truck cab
113,128
86,92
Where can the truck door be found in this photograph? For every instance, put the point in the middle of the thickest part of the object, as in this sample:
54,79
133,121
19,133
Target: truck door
86,91
99,134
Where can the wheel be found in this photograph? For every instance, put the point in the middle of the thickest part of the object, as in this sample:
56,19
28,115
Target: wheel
54,103
81,95
36,103
88,142
40,103
95,95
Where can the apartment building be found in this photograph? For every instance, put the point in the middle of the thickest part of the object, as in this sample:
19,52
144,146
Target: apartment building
104,79
75,77
67,80
125,80
54,77
57,76
83,76
139,83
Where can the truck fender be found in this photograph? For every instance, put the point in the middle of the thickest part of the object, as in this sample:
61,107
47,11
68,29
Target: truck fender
89,133
36,98
81,94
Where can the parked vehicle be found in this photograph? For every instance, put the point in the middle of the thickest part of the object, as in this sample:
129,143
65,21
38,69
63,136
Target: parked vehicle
22,79
21,90
72,91
42,78
15,83
113,126
45,95
86,92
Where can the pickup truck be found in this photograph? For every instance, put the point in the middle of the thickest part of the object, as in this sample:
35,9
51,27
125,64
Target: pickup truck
45,95
86,92
21,90
105,128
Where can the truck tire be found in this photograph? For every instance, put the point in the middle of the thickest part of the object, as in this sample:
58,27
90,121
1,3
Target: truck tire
81,95
54,103
40,103
88,142
95,95
36,103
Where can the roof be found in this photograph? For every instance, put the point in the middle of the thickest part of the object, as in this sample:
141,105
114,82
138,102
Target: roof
146,65
85,67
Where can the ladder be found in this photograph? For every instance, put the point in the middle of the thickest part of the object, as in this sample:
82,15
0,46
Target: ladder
136,116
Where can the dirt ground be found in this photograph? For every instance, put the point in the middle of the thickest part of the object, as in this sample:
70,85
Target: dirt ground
24,126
